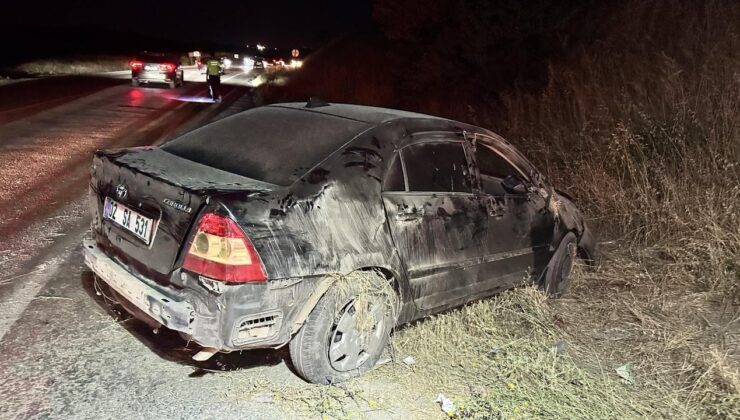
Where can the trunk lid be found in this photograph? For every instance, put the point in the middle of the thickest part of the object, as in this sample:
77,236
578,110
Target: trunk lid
165,188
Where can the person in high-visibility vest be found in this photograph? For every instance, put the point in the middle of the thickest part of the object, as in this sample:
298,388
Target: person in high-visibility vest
213,77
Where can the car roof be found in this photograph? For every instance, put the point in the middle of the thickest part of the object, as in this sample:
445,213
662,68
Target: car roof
367,114
157,57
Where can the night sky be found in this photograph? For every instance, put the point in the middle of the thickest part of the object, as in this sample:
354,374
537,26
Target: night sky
47,26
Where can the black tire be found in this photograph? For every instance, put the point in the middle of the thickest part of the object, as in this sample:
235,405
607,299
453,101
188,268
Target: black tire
557,277
310,347
134,83
172,85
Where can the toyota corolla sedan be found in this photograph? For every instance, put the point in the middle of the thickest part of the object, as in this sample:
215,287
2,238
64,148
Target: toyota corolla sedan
322,227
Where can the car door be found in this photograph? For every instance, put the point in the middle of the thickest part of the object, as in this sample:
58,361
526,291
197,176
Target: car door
520,226
438,224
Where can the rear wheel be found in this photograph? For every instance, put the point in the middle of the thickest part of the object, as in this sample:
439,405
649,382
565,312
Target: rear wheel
557,278
346,332
172,84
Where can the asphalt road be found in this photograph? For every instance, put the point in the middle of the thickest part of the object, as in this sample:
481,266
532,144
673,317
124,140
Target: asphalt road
66,350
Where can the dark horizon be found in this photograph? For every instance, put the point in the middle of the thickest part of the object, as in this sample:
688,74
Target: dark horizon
39,30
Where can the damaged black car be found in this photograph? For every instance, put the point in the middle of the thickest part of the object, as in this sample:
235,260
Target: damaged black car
323,226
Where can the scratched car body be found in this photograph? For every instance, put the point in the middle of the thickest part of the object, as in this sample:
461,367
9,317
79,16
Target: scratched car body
238,233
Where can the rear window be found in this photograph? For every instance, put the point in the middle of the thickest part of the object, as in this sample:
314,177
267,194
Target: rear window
158,58
271,144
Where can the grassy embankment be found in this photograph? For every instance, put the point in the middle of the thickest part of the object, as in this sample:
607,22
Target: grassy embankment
72,66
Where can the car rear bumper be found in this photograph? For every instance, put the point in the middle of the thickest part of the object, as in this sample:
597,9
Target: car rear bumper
160,306
212,314
157,77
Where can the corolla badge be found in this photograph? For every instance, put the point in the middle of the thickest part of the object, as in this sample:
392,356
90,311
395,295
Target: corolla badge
177,205
121,191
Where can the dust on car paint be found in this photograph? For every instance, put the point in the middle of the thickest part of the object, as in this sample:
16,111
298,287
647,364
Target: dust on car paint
441,235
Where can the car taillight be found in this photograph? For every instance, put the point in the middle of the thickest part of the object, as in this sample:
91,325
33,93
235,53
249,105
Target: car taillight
222,251
166,67
136,65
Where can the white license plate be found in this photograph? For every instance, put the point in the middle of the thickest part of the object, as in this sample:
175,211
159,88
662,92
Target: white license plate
134,222
150,67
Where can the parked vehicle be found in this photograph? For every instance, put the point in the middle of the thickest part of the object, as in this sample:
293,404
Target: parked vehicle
323,226
156,68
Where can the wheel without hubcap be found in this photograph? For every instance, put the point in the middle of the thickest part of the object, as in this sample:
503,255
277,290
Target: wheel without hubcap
557,278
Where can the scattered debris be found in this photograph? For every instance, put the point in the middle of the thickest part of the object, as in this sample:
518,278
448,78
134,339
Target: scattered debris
408,361
625,372
262,398
382,361
560,347
493,352
448,406
52,297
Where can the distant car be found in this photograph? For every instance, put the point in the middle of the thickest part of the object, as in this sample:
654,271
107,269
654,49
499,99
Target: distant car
225,64
156,68
323,226
259,63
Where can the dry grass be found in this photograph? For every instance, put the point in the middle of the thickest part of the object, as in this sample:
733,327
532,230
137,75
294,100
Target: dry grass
643,129
370,288
520,355
73,66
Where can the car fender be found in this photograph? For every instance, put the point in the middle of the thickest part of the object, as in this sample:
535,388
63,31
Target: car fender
326,283
311,302
568,218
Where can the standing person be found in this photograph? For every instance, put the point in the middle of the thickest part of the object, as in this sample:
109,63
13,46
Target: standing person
213,77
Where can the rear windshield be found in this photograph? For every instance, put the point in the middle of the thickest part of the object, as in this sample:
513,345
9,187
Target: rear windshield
158,58
271,144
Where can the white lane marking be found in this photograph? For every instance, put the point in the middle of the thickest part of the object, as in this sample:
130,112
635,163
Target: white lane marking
117,74
226,79
25,291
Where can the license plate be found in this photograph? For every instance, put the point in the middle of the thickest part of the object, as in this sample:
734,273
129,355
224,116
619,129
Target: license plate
132,221
149,67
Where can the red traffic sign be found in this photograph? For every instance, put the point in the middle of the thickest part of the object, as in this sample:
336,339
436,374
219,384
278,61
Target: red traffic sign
295,53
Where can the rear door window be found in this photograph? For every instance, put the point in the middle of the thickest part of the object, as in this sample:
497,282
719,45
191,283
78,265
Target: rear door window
437,167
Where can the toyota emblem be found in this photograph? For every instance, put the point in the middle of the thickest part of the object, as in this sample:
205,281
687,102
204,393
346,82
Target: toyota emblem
121,191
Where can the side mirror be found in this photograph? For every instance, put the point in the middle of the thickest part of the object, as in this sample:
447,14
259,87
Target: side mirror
514,185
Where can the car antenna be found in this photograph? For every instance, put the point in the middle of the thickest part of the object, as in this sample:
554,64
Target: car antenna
314,102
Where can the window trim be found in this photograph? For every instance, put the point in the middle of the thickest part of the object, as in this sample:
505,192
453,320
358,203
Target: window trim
396,155
428,193
403,171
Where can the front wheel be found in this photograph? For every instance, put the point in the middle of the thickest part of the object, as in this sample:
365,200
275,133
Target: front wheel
557,278
347,331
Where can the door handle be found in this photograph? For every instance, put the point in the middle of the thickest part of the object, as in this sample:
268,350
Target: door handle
495,209
409,213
